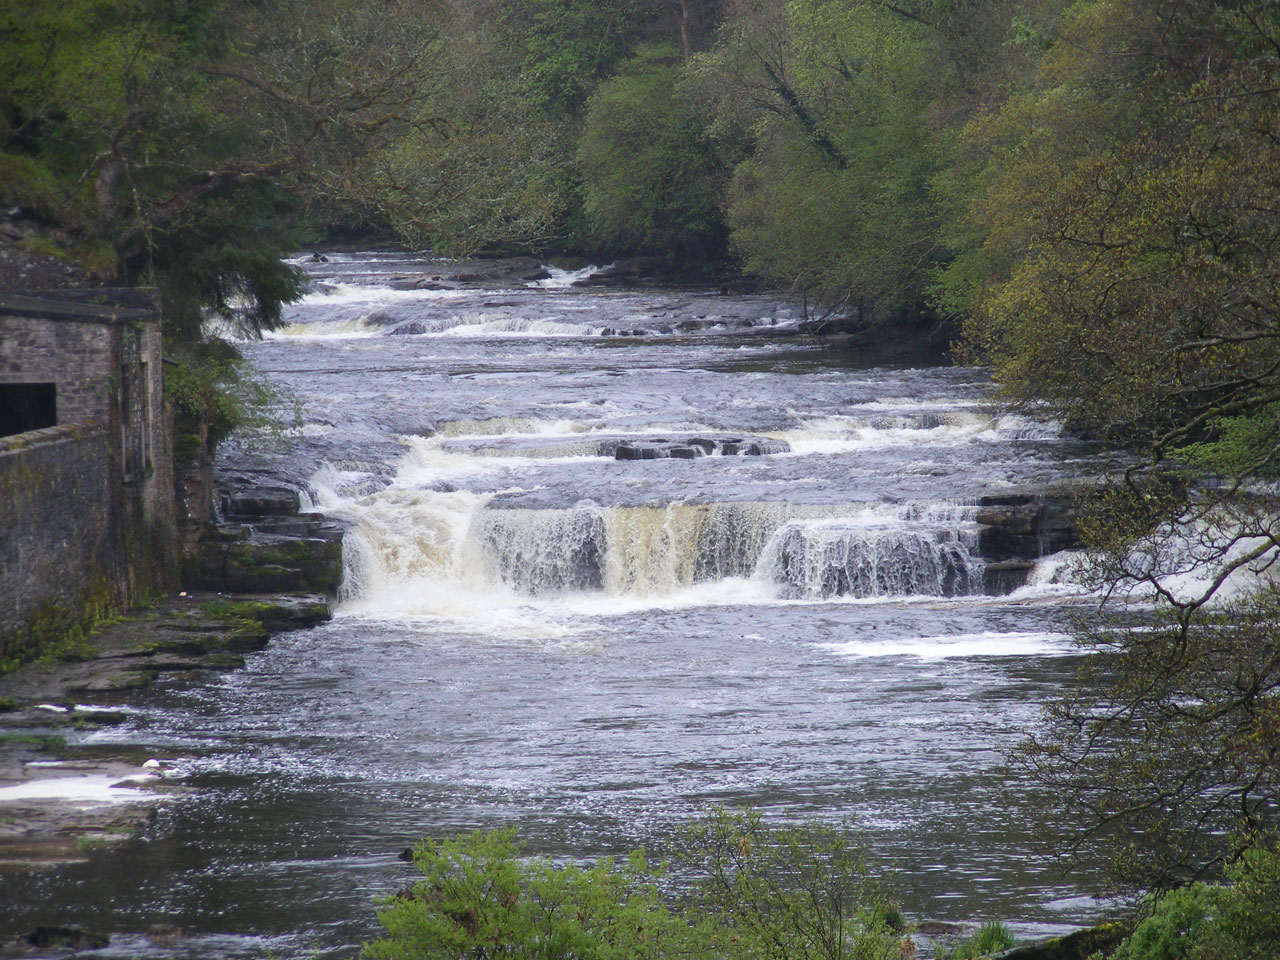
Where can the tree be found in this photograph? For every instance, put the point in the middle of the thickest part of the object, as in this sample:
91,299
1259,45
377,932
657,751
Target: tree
109,129
828,105
1126,273
651,180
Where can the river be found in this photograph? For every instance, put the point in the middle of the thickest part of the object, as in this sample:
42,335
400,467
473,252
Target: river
789,613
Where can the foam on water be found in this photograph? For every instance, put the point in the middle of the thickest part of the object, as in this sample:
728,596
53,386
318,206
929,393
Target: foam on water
986,644
96,789
564,279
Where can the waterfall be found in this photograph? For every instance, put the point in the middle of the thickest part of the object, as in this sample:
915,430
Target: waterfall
817,561
544,551
419,549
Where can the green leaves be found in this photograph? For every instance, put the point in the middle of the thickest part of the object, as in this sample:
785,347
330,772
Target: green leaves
479,898
796,894
650,177
833,199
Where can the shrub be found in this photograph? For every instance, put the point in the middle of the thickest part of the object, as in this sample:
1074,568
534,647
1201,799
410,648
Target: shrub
1206,921
756,894
992,937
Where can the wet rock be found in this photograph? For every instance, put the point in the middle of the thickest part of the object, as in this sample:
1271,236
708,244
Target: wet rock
280,564
754,447
1005,576
262,501
1028,524
934,928
690,448
640,451
165,934
615,274
1074,946
67,938
270,547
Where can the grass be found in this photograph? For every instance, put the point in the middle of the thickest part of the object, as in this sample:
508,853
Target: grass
41,741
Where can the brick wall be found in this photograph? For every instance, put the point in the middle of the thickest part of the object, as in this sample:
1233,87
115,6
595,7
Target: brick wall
76,356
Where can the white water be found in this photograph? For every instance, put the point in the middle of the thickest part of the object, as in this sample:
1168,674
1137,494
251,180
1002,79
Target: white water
533,633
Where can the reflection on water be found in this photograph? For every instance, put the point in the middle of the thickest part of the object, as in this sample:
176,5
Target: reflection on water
597,650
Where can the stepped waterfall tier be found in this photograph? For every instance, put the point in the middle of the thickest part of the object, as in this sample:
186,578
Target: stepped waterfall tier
612,557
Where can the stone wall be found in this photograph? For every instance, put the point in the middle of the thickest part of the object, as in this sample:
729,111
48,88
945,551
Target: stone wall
60,562
87,515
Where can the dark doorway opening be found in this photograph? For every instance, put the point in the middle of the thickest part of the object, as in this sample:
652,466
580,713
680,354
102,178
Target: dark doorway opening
27,406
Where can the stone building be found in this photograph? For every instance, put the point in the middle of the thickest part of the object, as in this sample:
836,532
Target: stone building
87,515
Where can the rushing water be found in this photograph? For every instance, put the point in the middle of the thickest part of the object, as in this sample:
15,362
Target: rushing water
534,632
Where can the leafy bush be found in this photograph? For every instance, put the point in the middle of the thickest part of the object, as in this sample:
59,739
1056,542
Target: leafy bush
791,894
1203,921
478,898
650,175
772,895
216,387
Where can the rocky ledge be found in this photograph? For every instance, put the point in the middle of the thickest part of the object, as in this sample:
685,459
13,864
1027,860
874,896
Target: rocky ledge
266,544
690,448
1019,526
60,792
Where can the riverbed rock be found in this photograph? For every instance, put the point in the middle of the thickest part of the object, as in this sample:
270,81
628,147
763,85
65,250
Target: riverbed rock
1074,946
265,545
67,938
1002,577
1030,523
690,448
262,501
94,684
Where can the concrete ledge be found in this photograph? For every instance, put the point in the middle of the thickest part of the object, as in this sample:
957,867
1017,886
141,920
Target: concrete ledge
89,304
48,436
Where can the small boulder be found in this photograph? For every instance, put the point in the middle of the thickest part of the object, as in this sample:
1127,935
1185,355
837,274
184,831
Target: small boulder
67,938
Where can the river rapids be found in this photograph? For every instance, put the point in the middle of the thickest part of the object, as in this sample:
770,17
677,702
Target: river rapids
613,557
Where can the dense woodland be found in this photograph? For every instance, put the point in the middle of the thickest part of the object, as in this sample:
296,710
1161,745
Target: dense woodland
1085,193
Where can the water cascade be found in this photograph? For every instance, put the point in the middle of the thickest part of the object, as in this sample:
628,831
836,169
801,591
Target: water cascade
537,632
408,543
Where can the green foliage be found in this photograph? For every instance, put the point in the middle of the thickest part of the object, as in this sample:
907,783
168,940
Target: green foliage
568,47
992,937
113,130
1236,921
790,894
478,898
1166,753
41,741
215,387
1130,249
1247,445
650,176
832,198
